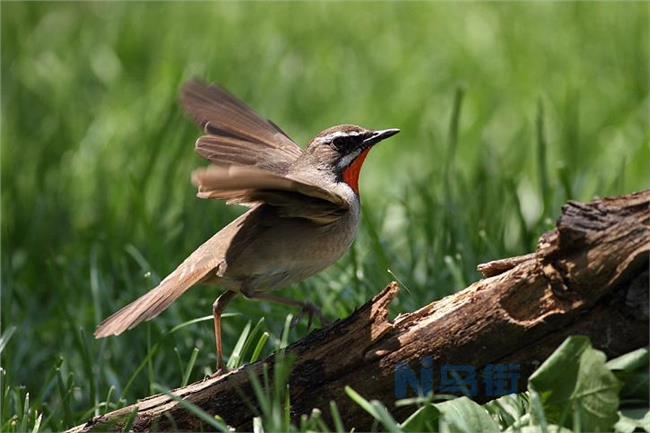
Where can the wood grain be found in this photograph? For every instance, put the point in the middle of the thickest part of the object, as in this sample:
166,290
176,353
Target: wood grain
589,276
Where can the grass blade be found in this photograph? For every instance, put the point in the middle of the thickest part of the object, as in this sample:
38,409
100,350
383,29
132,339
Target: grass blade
5,337
190,366
336,417
542,163
233,360
257,352
212,421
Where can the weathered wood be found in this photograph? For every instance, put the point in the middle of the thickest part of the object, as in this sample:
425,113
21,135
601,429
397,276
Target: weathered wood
588,277
496,267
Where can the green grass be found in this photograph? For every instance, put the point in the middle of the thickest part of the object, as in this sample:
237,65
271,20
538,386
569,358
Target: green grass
506,111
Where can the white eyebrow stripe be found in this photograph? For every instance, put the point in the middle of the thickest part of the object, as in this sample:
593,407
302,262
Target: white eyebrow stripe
336,134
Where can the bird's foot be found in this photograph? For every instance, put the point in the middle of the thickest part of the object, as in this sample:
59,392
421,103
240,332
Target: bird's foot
220,371
309,310
222,368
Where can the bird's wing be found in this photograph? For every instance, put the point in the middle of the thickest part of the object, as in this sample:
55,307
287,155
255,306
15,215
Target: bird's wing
292,196
236,134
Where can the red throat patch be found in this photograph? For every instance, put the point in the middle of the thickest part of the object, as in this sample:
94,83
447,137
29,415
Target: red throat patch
351,174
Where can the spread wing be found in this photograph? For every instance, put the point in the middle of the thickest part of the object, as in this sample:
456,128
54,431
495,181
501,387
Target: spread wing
236,134
292,196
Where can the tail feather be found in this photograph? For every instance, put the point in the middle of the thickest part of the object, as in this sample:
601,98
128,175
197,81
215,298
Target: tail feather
144,308
190,273
206,262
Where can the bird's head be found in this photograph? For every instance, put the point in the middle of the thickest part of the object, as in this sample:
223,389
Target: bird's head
343,149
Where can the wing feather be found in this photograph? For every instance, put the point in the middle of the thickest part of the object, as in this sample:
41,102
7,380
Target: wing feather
235,129
294,197
226,151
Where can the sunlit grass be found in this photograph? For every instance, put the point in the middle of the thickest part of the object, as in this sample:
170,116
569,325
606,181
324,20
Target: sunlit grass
506,112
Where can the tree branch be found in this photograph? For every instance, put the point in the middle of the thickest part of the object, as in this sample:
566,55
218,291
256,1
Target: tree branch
589,276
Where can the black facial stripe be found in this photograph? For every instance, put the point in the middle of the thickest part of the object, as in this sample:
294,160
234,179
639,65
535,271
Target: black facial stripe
348,143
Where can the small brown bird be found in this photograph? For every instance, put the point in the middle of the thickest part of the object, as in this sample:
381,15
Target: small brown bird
304,208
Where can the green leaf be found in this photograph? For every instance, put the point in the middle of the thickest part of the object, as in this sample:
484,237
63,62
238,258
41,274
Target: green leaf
630,361
538,429
630,420
425,418
576,388
509,409
462,415
632,370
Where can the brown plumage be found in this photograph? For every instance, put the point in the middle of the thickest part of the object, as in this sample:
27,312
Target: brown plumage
304,213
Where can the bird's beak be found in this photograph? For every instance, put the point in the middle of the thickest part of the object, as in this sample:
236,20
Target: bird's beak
378,136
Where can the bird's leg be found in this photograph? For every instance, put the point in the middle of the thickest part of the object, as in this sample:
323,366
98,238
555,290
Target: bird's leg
217,308
306,308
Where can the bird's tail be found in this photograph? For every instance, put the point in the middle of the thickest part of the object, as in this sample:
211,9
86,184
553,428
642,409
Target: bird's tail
144,308
191,272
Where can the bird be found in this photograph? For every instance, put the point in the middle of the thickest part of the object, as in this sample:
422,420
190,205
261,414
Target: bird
304,209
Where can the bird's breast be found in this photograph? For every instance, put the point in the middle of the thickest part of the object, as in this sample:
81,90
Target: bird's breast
288,250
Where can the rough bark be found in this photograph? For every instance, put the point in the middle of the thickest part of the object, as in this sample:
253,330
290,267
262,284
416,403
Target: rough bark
589,276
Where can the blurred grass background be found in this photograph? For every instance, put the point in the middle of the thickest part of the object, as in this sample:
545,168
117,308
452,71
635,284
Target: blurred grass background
506,110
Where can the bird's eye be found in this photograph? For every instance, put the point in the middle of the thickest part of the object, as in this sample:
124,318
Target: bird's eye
343,142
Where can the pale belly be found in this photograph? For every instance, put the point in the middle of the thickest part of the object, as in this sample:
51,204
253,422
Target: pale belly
284,253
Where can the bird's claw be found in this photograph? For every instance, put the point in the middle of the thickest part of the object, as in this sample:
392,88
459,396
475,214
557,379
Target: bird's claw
309,310
219,372
221,369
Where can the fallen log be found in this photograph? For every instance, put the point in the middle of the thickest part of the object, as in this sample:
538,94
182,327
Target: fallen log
589,276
